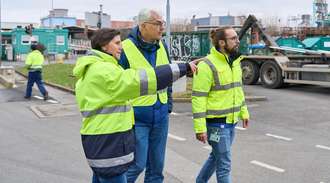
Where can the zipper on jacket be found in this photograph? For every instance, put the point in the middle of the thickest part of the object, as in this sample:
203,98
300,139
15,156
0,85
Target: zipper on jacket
232,79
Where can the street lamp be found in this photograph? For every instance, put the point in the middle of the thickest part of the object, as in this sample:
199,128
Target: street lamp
99,22
168,26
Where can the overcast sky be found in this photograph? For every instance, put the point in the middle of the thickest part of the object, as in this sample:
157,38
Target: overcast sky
33,10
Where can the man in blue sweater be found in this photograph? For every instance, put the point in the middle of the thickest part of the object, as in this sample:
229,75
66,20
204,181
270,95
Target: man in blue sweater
144,49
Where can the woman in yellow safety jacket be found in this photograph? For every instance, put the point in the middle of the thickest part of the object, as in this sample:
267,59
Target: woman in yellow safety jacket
103,91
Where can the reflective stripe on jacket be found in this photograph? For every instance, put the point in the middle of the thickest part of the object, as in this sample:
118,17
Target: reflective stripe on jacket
137,60
217,91
103,91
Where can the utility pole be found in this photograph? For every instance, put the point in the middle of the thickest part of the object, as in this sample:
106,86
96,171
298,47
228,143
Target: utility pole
51,16
0,37
99,23
168,26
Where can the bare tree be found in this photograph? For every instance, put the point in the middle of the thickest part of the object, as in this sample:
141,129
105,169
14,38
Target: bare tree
181,25
272,25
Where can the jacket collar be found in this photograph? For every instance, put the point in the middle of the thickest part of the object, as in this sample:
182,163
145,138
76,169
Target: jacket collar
219,55
104,56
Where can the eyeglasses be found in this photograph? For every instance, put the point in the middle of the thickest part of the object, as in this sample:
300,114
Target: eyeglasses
234,38
157,23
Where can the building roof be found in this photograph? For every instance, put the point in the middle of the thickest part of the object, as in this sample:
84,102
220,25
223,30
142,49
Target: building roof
78,29
12,25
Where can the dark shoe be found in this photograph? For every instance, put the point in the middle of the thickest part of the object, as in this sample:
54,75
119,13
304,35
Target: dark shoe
26,97
46,97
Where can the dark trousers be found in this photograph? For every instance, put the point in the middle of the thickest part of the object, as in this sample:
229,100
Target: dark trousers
35,77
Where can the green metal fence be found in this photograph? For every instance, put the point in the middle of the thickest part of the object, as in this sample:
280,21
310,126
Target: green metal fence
187,46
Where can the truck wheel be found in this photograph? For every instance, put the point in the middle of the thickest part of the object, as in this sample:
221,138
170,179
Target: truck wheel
271,75
250,72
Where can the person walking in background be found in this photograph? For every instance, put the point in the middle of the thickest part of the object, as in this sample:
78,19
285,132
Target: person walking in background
144,49
102,92
218,103
34,62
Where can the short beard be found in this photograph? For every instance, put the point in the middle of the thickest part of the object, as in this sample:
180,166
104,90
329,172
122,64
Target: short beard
232,51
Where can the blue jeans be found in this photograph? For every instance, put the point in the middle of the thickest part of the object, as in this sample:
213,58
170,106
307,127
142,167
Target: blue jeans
117,179
150,139
219,160
35,77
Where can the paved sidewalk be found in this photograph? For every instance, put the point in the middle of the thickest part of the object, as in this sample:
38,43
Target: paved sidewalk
40,140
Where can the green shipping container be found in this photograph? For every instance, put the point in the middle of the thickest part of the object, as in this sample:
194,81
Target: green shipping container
317,43
290,42
55,41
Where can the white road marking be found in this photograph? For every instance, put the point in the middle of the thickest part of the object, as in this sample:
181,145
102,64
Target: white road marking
176,137
52,101
279,137
252,105
240,128
270,167
207,147
49,100
323,147
38,97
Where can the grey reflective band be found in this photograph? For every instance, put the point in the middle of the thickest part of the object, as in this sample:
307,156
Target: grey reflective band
36,66
199,94
175,72
111,162
199,115
226,87
143,82
217,80
224,111
214,71
217,112
106,110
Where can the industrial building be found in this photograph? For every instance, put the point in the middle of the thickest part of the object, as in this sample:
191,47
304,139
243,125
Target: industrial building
215,21
58,18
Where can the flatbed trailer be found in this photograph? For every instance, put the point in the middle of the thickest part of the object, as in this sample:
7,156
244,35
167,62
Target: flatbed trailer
274,71
277,69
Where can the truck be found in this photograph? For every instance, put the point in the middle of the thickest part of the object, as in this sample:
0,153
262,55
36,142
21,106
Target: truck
282,65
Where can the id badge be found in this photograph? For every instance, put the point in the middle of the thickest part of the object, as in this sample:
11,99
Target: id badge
215,136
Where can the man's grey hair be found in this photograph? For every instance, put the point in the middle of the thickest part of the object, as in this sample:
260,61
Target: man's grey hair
146,15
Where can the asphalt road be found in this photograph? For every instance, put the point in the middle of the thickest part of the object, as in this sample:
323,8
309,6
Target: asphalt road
288,140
